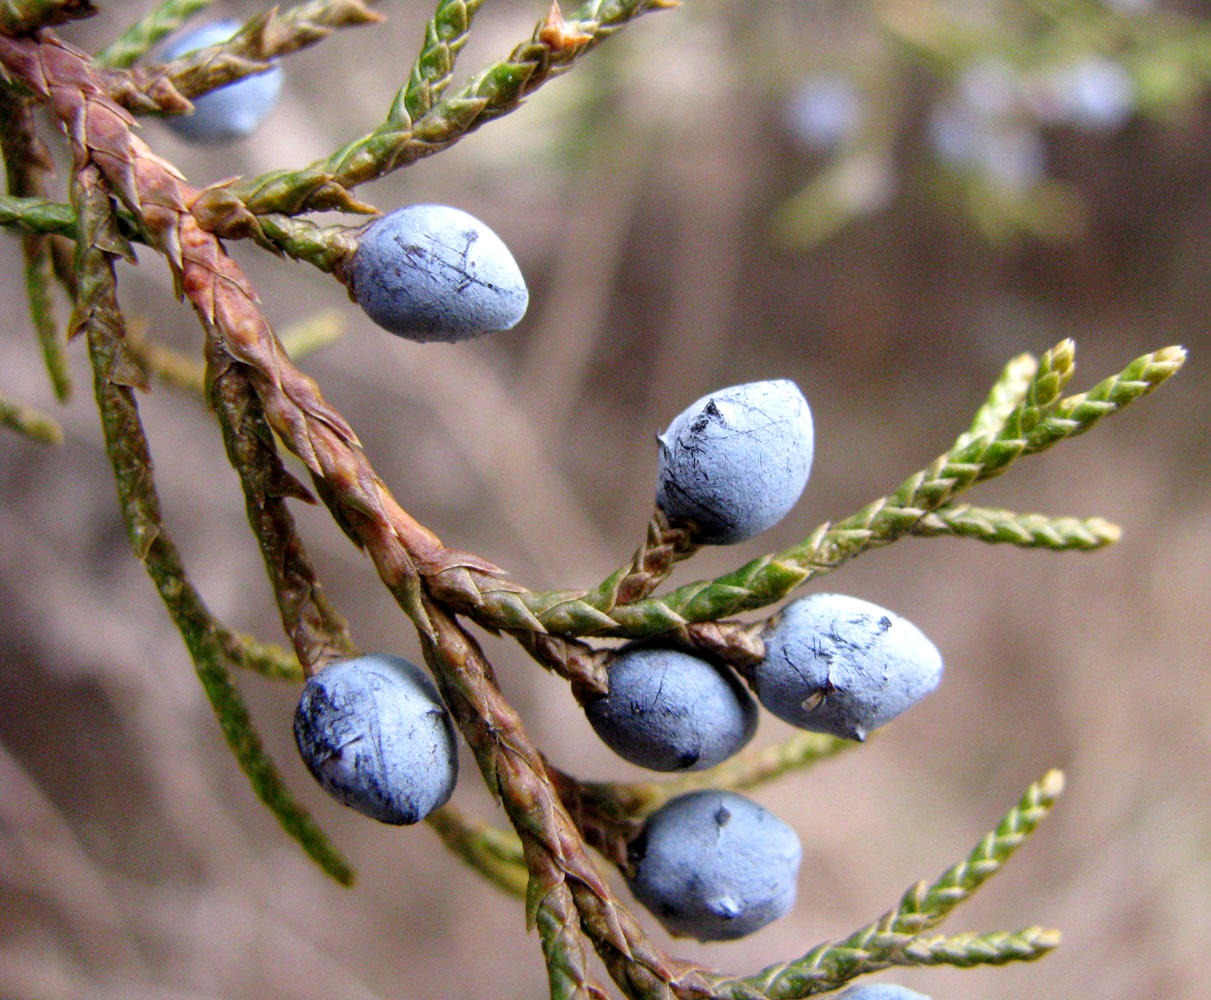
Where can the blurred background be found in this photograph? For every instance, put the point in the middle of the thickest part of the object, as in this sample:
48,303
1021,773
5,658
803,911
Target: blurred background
883,201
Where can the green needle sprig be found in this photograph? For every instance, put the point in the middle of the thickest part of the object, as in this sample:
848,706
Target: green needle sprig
20,17
494,853
1027,531
30,423
27,163
494,91
895,938
137,40
251,50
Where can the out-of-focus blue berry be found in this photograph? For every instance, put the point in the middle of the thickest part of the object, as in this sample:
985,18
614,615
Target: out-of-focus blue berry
374,733
823,112
670,711
714,865
1094,93
880,991
1006,149
840,665
431,272
231,112
735,462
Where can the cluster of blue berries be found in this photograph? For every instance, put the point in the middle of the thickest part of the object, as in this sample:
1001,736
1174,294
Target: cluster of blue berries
711,864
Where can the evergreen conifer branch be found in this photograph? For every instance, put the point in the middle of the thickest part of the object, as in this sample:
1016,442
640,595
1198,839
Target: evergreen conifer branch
1042,419
748,769
316,630
122,190
251,50
445,35
183,371
1004,397
264,658
663,547
896,936
554,850
37,216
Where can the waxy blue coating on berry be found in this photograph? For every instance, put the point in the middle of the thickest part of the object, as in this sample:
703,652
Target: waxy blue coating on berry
881,991
374,733
431,272
840,665
231,112
714,865
670,711
736,461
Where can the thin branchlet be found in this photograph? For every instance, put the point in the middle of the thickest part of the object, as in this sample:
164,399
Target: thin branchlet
137,40
21,17
400,141
27,163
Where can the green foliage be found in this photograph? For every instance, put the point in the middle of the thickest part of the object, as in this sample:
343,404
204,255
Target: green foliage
122,192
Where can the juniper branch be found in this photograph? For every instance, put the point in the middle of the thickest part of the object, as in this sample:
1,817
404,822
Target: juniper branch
970,949
45,217
184,371
37,216
250,51
97,314
1006,395
445,35
158,196
1029,531
264,658
555,854
316,630
663,547
923,907
137,40
746,770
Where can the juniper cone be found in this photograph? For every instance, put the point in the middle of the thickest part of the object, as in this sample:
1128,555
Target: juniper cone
431,272
734,462
374,733
670,711
836,664
715,866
